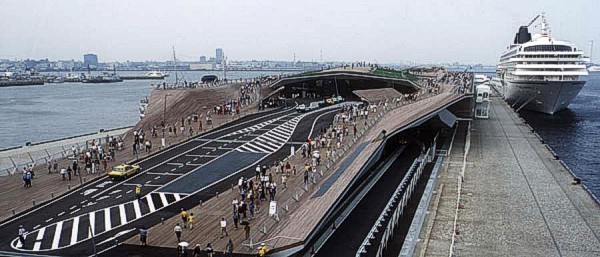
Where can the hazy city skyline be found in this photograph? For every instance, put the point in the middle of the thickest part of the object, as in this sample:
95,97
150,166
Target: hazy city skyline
426,31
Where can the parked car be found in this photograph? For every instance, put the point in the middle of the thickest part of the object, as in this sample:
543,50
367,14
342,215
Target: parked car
123,171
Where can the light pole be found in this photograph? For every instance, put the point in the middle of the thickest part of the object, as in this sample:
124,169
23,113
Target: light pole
163,141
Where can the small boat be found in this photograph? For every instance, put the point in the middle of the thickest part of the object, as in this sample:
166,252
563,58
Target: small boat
156,74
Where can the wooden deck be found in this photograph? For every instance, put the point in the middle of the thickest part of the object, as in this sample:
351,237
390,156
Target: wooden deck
304,209
378,95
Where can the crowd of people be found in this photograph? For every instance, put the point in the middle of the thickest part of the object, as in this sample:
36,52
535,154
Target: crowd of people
461,81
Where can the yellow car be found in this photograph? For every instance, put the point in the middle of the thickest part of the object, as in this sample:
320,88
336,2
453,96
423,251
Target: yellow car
124,171
330,101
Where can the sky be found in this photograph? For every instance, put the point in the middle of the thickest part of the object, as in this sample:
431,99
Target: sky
384,31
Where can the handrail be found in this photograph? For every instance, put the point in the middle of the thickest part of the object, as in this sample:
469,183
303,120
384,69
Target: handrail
460,182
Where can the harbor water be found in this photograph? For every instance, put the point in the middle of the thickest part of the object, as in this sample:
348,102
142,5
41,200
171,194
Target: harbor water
54,111
574,134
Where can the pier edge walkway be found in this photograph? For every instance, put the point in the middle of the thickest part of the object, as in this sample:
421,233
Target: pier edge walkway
516,198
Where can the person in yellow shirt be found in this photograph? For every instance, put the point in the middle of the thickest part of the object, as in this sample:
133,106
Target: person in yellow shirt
262,250
184,217
138,192
190,220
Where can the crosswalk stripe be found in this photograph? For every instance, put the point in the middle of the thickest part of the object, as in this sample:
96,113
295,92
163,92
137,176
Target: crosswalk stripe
92,224
57,232
74,230
255,149
275,136
150,203
39,237
163,198
177,197
266,146
267,142
107,225
244,148
136,208
122,214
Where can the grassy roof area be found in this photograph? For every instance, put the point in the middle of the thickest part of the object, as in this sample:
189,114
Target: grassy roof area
394,74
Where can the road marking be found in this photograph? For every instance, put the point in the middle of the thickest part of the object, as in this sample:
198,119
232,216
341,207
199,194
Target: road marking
195,159
92,218
131,190
162,174
163,198
107,225
57,232
48,220
226,148
37,226
103,197
196,164
209,147
61,214
40,236
201,155
118,196
150,203
122,214
173,169
74,230
175,163
89,191
136,208
73,207
157,177
114,192
177,197
104,184
76,210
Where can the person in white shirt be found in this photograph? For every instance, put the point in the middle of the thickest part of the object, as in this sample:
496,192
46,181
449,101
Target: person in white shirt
177,230
223,224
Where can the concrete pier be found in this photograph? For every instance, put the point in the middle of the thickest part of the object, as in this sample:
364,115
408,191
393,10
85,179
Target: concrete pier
516,198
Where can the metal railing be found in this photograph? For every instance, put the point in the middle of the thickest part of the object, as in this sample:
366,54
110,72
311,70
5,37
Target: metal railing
395,206
56,150
459,191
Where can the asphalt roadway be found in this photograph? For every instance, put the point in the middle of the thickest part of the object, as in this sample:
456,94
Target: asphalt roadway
104,211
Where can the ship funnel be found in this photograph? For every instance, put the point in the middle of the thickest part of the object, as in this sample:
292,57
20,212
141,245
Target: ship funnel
523,36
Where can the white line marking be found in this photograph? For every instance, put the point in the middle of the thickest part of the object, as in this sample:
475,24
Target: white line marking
92,218
196,164
48,220
107,225
37,226
73,207
114,192
74,230
163,198
76,210
118,196
57,232
103,197
177,197
40,236
150,203
61,214
130,190
175,163
122,214
136,208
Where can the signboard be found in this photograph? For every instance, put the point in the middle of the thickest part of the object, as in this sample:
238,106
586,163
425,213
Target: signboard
273,208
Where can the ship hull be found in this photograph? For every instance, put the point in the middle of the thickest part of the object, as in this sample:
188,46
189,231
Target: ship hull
543,96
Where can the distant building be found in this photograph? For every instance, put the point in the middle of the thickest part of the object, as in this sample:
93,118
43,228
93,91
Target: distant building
201,66
90,60
219,55
212,60
203,59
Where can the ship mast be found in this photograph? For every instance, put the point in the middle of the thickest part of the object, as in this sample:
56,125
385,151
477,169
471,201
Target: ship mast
544,26
175,63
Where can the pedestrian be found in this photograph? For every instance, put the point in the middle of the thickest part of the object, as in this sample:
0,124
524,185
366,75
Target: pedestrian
184,217
49,167
197,251
247,229
69,170
55,166
229,246
236,219
134,147
143,235
177,230
223,224
209,250
191,220
138,192
305,176
22,232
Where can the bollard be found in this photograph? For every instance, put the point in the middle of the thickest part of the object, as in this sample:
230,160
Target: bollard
69,186
162,221
14,213
52,195
264,229
334,226
33,201
217,194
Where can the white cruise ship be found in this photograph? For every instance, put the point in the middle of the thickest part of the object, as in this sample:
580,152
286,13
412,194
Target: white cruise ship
540,73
